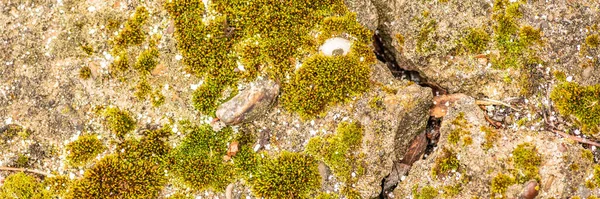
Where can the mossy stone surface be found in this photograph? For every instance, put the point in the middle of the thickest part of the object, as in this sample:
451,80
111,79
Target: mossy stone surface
119,121
21,185
582,102
84,149
289,175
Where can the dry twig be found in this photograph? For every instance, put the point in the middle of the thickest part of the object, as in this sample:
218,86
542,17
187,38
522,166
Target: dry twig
486,102
26,170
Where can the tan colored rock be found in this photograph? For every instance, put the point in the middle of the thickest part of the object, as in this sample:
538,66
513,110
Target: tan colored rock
249,103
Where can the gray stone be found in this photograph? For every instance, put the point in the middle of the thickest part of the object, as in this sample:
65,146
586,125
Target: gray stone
249,103
366,12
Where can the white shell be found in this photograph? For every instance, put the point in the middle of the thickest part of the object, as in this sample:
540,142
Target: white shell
335,43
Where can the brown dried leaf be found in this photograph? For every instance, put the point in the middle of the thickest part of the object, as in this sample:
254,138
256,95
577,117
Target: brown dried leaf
441,104
233,148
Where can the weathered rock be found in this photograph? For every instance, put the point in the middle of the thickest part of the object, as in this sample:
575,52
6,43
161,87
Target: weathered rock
249,103
366,12
391,114
477,166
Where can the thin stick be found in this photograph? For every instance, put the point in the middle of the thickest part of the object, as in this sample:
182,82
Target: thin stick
26,170
486,101
578,139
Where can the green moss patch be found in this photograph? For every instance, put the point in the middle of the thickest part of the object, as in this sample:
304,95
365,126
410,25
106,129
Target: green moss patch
132,33
230,35
324,80
476,40
445,162
582,102
21,185
118,121
500,184
527,161
427,192
85,73
57,185
198,160
340,152
136,171
84,149
290,175
461,129
491,136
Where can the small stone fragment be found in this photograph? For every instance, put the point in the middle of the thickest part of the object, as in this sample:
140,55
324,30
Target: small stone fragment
530,190
248,103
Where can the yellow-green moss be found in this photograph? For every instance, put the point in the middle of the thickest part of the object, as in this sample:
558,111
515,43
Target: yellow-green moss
592,41
147,60
180,196
476,40
574,167
376,103
445,162
157,98
290,175
198,160
57,185
132,33
135,171
460,129
427,192
491,136
85,73
118,121
22,161
587,154
84,149
527,161
121,63
451,190
241,34
21,185
500,184
323,195
339,151
88,49
582,102
142,89
424,45
324,80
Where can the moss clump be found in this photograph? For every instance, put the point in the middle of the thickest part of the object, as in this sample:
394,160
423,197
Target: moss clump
327,196
582,102
118,121
451,190
241,36
22,161
592,41
339,152
157,98
423,38
427,192
21,185
143,89
136,171
147,60
198,160
445,162
290,175
476,40
460,129
84,149
324,80
85,73
491,136
527,161
376,103
88,49
500,184
121,63
57,185
132,33
587,154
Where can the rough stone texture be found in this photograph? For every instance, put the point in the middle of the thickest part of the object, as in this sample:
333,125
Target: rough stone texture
480,166
249,103
366,12
387,132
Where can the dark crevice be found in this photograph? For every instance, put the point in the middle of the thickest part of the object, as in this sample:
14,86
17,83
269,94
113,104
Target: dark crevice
401,167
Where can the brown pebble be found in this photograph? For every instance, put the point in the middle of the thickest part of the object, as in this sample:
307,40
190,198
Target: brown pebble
530,190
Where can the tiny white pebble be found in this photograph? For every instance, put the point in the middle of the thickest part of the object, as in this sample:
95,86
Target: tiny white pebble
91,9
178,57
570,78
